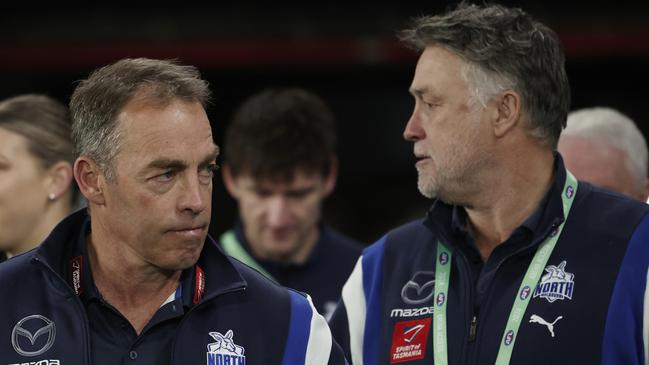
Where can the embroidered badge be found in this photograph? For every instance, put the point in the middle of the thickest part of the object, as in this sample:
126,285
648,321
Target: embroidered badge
224,350
33,335
76,266
419,289
556,284
409,340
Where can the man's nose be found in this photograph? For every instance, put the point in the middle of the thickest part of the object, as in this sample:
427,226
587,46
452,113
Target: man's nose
414,131
195,196
278,211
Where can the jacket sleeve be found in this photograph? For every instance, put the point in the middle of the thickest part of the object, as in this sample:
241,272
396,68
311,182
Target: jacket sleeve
356,321
626,333
309,339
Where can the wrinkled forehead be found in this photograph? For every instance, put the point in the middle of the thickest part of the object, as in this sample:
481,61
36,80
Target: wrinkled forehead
179,128
435,66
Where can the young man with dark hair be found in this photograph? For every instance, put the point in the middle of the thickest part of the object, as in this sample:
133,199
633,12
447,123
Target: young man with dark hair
280,164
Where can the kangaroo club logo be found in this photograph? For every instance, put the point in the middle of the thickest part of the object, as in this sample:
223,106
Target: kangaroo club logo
224,350
419,289
33,335
556,284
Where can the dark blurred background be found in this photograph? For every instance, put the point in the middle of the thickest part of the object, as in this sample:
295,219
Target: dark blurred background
345,52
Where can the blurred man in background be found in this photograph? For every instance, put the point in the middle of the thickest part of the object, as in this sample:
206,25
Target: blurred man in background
280,164
604,147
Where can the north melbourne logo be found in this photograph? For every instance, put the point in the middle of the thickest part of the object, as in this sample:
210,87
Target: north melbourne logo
556,284
224,351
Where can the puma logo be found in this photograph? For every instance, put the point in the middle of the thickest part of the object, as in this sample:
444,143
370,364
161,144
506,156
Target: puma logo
536,319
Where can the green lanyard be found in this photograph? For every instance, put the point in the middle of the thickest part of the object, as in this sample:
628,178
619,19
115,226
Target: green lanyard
531,278
232,247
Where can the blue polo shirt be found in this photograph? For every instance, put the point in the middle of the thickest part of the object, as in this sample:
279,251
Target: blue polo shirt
113,339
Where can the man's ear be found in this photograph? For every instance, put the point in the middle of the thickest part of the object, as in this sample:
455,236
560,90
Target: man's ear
228,181
508,113
58,179
332,177
644,194
89,179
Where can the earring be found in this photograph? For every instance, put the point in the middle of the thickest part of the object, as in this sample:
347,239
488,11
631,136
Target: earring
51,197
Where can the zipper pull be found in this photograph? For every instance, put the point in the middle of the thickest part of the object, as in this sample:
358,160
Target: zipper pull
473,328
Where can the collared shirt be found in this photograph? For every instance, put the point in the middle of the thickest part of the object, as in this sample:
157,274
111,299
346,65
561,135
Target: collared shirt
483,272
113,340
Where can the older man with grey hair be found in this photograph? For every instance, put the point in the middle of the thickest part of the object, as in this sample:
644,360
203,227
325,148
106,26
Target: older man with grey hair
604,147
516,262
135,278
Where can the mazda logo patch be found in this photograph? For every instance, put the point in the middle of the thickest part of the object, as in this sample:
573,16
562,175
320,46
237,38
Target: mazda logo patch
27,333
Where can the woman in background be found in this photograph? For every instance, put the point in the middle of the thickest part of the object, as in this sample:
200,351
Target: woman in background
36,181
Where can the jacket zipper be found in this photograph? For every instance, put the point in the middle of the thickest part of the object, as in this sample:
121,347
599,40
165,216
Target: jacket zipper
534,245
471,310
473,327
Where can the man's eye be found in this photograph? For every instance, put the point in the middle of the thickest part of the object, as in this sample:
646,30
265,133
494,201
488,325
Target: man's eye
165,176
430,106
298,194
210,169
207,173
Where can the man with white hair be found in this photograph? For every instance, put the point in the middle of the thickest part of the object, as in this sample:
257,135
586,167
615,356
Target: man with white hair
604,147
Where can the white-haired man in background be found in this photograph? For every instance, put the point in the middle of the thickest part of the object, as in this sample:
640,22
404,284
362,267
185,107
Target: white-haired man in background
605,147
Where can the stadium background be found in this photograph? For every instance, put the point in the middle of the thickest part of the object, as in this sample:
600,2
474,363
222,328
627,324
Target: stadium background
345,52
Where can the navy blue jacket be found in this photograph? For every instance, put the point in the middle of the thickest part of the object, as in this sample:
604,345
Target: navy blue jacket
241,318
386,311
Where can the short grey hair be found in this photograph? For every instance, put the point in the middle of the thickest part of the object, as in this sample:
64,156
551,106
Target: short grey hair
504,49
98,100
608,126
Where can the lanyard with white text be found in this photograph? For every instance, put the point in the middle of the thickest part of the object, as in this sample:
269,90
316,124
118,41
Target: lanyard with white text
531,278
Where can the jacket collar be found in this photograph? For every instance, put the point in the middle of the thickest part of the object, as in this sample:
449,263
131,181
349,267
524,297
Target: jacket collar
444,219
213,274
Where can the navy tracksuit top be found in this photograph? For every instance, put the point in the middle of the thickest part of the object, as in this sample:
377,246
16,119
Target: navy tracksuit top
576,313
240,317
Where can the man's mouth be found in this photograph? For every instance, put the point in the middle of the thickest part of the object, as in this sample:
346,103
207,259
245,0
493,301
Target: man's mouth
420,158
189,231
